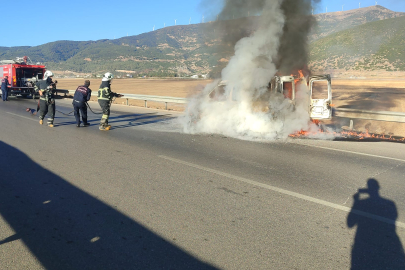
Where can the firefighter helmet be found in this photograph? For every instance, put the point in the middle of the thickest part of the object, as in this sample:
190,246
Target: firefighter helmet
108,77
47,74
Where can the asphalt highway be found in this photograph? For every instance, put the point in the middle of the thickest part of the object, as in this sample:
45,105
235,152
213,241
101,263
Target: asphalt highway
144,195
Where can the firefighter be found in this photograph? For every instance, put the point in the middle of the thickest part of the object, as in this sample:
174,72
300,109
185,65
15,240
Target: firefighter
47,98
105,97
82,95
4,88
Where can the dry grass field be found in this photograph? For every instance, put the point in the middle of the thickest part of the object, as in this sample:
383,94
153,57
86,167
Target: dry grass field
153,87
375,95
369,94
386,94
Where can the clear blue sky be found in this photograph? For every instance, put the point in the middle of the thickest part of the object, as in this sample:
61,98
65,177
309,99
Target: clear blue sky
37,24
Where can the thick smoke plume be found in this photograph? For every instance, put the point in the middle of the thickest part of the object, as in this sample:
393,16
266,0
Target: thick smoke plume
276,44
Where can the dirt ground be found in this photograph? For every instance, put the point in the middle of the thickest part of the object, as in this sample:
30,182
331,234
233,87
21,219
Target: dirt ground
153,87
383,94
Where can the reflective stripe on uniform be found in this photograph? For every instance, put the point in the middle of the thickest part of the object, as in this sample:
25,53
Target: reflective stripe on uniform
104,93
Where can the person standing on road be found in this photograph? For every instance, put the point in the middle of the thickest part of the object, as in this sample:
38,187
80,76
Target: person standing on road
105,97
47,98
4,88
82,95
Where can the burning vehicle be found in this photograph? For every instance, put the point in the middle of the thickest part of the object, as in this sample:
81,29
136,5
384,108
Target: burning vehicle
319,94
257,99
274,110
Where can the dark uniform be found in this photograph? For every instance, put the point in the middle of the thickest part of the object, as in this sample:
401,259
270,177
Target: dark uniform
105,97
4,88
46,100
82,95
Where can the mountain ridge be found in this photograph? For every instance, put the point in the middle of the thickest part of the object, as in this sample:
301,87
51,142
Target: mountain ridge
190,49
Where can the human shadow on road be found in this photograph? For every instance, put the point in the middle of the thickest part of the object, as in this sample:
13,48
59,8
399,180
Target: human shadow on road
127,120
66,228
139,121
376,244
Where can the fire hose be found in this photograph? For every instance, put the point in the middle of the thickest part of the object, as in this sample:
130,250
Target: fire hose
67,114
92,110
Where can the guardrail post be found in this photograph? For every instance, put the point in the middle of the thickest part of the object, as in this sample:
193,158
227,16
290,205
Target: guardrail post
127,102
351,125
146,103
166,105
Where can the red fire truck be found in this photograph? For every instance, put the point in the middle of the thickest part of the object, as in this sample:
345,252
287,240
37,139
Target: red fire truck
21,76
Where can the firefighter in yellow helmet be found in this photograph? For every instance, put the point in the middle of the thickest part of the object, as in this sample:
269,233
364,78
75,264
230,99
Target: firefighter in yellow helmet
105,97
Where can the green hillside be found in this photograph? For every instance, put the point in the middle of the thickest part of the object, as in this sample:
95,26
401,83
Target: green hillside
372,46
356,39
333,22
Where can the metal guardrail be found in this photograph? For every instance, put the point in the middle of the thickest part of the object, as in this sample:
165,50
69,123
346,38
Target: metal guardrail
147,98
370,115
338,112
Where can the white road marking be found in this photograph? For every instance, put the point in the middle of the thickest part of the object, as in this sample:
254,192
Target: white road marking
22,116
352,152
287,192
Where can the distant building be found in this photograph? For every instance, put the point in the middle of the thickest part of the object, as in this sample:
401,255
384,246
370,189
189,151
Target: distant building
204,76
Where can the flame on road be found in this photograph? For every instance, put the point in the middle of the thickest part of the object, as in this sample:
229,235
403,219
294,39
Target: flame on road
350,135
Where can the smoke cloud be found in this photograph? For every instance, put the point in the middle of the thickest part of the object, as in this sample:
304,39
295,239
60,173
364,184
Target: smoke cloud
274,41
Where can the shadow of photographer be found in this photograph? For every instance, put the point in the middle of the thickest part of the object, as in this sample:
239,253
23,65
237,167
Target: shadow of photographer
376,244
